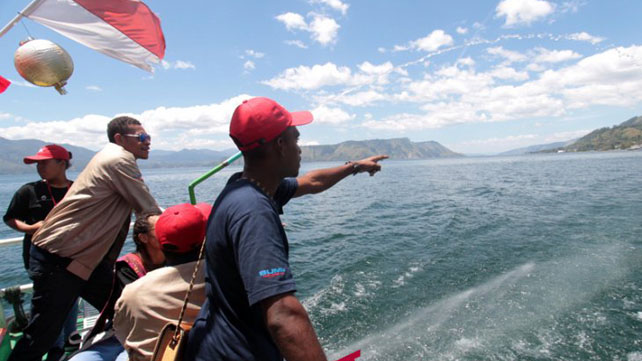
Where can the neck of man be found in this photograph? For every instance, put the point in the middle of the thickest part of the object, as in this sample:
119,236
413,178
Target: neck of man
59,182
266,179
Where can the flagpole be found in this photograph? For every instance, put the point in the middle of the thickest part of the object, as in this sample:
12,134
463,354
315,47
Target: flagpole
25,12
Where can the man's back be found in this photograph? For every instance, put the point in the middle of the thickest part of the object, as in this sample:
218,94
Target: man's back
247,262
151,302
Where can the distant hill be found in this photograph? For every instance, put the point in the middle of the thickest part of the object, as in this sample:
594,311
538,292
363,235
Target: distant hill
624,136
186,158
399,148
13,151
538,148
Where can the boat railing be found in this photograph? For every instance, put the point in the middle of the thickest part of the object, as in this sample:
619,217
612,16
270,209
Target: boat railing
10,241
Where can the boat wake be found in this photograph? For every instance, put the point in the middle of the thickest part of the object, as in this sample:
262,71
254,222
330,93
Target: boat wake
510,316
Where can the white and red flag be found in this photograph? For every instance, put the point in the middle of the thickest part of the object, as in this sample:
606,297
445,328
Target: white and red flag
4,84
123,29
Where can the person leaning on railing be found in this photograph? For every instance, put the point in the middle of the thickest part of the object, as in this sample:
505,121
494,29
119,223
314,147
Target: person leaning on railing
74,251
32,203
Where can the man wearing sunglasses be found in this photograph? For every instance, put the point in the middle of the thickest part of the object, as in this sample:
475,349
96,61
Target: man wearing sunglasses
73,253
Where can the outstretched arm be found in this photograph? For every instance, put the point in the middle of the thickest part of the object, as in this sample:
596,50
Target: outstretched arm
319,180
291,329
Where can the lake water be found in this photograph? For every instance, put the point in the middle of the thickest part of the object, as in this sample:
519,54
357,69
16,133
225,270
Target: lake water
503,258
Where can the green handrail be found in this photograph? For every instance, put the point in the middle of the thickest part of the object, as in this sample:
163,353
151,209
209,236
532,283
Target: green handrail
195,182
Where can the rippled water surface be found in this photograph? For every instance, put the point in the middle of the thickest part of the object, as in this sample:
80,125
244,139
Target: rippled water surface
520,258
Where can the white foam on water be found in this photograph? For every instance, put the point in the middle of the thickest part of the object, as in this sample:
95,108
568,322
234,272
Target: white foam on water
639,316
334,308
634,356
401,280
359,290
502,315
433,316
335,287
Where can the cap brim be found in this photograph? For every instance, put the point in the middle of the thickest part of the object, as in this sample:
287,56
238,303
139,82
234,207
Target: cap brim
35,158
301,118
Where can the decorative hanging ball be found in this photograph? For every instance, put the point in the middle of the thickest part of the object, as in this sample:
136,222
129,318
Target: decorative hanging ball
43,63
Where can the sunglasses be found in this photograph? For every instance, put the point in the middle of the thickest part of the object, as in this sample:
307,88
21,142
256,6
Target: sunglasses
142,137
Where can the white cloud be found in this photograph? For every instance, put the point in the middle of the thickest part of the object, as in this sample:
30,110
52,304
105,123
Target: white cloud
324,29
172,128
523,12
555,56
359,99
509,55
329,74
324,114
468,61
178,64
95,88
249,65
461,30
452,95
296,43
317,76
87,131
293,21
308,142
584,36
335,4
432,41
508,73
572,6
254,54
5,115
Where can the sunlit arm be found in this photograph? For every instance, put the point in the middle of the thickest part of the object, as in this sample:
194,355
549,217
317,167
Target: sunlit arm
291,329
21,226
319,180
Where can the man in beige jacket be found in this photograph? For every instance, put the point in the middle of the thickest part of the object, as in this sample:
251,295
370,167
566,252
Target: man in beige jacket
149,303
74,251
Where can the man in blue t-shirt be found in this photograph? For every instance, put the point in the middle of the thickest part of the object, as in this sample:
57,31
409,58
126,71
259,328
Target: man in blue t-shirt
251,312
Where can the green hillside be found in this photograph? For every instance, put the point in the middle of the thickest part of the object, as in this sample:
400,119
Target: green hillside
624,136
399,148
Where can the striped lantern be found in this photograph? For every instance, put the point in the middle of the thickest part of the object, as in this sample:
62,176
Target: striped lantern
44,63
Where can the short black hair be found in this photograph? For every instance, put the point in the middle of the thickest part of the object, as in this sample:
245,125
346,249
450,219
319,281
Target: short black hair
120,125
142,226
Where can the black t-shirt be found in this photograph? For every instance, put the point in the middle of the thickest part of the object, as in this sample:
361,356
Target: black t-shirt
247,262
31,204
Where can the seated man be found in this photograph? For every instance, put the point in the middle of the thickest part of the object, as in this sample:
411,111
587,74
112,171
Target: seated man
151,302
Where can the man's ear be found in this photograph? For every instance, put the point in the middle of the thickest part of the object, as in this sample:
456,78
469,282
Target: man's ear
279,145
118,138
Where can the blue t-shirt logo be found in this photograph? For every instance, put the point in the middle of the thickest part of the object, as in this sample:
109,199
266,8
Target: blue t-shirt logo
274,272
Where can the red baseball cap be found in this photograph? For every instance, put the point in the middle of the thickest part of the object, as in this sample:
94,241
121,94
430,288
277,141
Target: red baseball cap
50,151
181,228
259,120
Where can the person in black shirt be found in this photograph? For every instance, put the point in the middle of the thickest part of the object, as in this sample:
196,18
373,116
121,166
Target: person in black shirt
251,312
32,203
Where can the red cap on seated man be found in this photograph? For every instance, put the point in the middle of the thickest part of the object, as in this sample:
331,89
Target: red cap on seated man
151,302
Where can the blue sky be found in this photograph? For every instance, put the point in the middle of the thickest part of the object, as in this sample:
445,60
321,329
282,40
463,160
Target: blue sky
476,76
